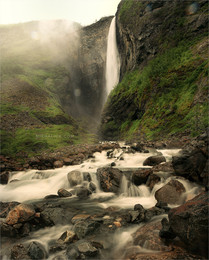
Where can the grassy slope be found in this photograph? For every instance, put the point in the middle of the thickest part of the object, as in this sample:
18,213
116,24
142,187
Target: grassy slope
31,79
167,97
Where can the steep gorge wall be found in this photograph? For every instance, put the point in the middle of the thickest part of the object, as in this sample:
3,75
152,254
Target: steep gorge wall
163,81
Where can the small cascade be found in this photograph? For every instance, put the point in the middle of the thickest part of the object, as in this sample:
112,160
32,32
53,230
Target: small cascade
113,59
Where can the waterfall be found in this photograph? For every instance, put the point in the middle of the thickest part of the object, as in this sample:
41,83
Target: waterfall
112,60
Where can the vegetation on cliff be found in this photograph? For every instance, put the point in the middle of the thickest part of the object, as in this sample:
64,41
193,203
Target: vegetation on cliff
166,93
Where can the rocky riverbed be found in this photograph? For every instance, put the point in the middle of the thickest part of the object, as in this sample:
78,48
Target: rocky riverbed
122,202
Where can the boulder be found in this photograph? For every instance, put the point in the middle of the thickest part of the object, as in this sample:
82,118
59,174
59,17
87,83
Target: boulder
80,217
136,216
154,160
84,228
67,161
64,193
72,252
75,178
37,251
83,193
152,180
171,192
190,223
141,176
110,179
21,213
58,164
191,165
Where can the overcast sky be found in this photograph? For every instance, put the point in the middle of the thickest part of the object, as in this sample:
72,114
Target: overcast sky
82,11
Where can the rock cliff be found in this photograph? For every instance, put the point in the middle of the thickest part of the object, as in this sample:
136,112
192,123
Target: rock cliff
163,80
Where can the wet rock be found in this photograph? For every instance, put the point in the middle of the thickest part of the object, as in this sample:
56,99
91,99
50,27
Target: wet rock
51,196
136,216
72,252
166,231
154,160
19,252
54,216
190,223
171,192
162,205
152,180
141,176
80,217
190,165
75,178
84,228
36,251
5,207
92,186
87,249
139,208
83,193
109,179
4,177
164,167
148,237
154,211
20,213
67,237
113,164
137,147
86,176
58,164
7,230
64,193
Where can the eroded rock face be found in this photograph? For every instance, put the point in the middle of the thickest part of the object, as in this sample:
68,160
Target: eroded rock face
21,213
190,223
109,179
171,192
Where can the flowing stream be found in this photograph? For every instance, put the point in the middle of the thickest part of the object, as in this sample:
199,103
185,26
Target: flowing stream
32,185
112,59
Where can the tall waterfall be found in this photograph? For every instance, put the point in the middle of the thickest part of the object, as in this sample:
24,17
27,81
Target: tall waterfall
113,59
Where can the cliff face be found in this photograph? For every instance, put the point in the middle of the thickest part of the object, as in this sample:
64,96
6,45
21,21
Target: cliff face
148,28
88,80
163,81
52,77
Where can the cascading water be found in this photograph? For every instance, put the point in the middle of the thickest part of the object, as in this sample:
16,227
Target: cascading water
112,60
32,186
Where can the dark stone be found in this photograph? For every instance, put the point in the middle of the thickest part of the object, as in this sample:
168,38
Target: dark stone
137,147
139,208
136,216
171,192
141,176
51,196
86,248
7,230
58,164
191,165
19,252
83,193
72,252
190,223
86,176
4,177
84,228
109,179
92,186
113,164
166,231
37,251
154,160
154,211
64,193
5,207
67,237
152,180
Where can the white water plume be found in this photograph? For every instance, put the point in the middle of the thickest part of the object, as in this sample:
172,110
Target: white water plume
113,60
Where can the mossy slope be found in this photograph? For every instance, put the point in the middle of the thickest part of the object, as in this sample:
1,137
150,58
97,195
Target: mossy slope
166,95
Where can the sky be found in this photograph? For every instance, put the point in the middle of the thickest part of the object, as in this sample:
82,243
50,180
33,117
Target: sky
84,12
